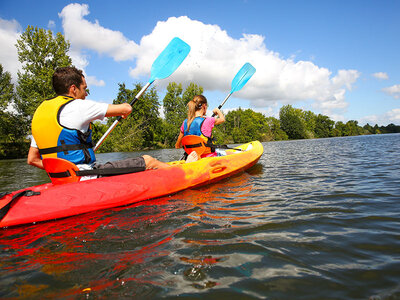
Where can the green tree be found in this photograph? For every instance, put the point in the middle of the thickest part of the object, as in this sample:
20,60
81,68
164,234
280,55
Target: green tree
391,128
174,113
368,129
142,129
12,135
10,124
310,122
40,53
6,89
276,133
242,126
323,126
292,122
339,129
352,128
191,91
376,129
98,129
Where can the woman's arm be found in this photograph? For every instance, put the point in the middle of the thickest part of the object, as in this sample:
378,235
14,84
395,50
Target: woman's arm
178,143
220,119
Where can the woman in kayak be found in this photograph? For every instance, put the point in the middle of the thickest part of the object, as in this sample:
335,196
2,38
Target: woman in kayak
197,124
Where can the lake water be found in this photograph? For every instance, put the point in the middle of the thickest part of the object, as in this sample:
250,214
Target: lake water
314,219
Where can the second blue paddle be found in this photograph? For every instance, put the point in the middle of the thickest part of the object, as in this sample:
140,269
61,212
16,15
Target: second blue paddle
239,80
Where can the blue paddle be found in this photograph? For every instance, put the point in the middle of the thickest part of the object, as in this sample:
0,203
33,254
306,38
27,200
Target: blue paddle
164,65
239,80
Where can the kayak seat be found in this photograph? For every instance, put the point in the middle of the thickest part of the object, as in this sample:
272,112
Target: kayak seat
63,171
60,170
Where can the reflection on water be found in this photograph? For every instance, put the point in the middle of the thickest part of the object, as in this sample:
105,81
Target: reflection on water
314,219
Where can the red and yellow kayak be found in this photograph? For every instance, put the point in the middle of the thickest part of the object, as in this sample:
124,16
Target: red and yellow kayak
48,201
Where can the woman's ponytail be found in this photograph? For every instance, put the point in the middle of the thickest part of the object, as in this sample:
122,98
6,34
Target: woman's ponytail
194,105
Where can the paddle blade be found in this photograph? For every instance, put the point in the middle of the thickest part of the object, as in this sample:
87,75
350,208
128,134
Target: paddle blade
242,77
170,59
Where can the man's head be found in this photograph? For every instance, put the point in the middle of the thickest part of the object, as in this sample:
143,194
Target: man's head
69,81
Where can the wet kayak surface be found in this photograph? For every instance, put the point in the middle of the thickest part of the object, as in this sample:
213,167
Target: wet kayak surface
313,219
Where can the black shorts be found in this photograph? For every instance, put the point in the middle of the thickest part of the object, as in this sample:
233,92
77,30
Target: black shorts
137,162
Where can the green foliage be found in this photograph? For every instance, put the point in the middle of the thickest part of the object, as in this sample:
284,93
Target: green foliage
292,122
276,133
351,128
243,125
391,128
191,91
40,53
98,129
174,113
142,129
368,129
309,120
18,149
323,126
11,127
6,89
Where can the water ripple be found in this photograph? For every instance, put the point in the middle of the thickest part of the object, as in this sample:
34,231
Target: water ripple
315,219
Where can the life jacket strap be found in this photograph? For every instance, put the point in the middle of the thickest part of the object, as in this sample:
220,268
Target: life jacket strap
65,148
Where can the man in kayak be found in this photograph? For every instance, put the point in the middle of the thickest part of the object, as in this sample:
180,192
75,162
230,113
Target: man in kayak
61,126
197,124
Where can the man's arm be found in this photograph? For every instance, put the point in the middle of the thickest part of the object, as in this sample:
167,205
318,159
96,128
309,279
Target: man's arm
123,110
34,158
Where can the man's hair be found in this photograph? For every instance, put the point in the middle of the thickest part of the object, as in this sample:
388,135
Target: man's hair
64,77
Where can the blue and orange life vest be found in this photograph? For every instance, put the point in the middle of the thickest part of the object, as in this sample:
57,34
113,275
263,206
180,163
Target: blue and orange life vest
195,129
55,140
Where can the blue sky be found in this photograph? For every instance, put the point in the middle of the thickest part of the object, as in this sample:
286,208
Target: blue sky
338,58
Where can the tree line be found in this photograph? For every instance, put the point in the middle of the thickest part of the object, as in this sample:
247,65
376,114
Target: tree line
41,52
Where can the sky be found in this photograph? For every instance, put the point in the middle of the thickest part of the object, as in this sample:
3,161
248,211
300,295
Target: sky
339,58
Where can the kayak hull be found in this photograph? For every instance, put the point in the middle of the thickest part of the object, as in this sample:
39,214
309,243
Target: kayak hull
60,201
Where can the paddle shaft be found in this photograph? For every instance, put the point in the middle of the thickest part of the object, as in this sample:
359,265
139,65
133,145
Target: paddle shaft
120,118
223,102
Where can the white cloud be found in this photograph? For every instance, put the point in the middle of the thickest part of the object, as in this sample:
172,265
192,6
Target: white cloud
9,33
393,91
216,57
92,80
381,75
337,118
213,61
86,35
51,25
392,116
